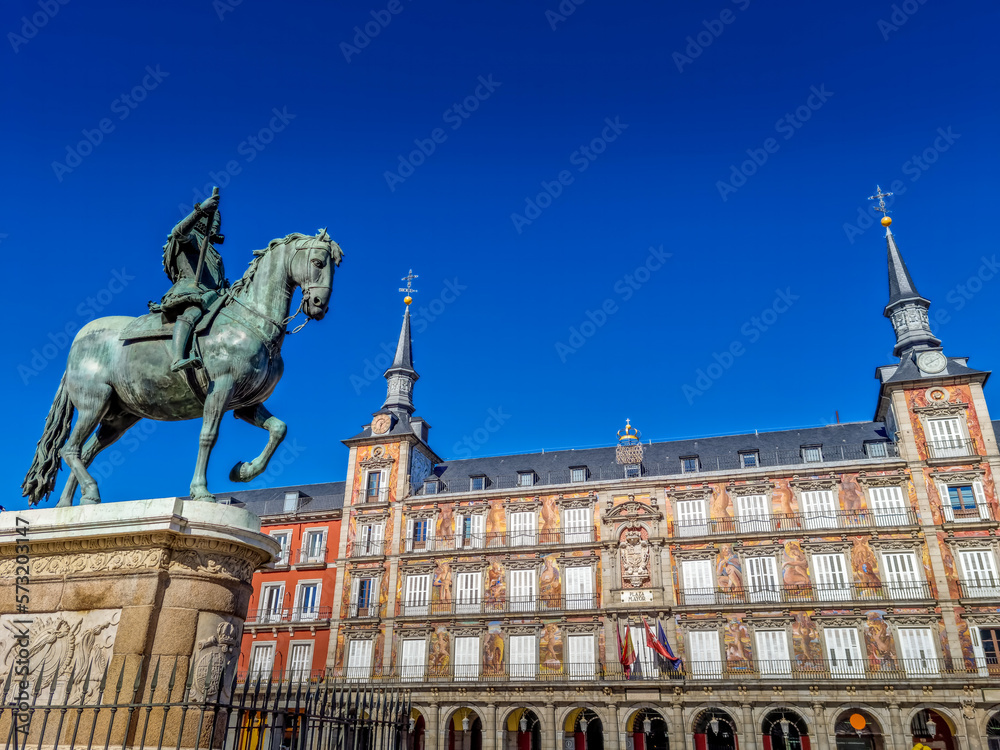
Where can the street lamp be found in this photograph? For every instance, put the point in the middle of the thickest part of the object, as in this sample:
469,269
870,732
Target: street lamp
465,723
583,728
523,723
413,724
714,724
647,726
785,725
931,727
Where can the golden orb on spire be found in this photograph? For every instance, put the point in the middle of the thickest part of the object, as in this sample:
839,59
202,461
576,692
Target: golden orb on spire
886,221
407,299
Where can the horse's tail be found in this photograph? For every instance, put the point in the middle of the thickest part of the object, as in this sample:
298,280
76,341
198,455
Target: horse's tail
41,477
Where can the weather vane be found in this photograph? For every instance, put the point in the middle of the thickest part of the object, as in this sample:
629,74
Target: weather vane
410,291
880,197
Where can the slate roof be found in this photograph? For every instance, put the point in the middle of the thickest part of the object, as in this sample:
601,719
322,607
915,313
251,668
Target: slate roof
313,498
907,370
901,284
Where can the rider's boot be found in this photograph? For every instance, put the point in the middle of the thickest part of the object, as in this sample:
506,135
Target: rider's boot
182,332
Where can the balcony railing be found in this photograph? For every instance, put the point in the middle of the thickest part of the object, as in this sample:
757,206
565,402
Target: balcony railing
476,605
371,548
380,495
859,669
363,610
493,540
981,512
983,588
817,592
299,614
311,556
866,452
817,519
955,448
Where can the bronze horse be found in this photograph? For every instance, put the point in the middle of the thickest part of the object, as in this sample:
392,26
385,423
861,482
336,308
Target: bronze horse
113,383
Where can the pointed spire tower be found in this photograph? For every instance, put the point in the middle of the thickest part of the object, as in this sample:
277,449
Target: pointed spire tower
400,377
907,309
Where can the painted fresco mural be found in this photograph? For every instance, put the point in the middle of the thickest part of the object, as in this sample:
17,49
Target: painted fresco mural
439,656
794,565
550,650
964,637
721,505
550,583
365,452
548,523
739,655
445,528
338,661
441,586
493,650
879,642
782,500
806,649
948,560
496,580
728,570
383,590
378,650
957,394
496,519
865,567
851,495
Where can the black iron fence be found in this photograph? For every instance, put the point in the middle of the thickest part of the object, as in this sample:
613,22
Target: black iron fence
161,704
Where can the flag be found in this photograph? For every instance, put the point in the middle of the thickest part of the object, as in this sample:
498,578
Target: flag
652,642
675,662
627,651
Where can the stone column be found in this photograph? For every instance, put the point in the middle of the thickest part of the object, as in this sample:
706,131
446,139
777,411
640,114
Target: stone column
972,739
749,738
442,728
431,727
615,731
678,732
898,739
549,727
490,728
819,730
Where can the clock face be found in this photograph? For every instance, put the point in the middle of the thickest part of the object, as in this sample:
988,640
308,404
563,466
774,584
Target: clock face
932,362
381,423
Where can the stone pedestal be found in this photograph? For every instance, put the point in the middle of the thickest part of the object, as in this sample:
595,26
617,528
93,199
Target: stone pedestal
145,594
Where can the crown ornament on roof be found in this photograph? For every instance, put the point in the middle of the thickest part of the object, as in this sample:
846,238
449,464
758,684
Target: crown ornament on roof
629,448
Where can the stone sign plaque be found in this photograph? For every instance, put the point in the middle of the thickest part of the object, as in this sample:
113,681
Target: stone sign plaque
636,596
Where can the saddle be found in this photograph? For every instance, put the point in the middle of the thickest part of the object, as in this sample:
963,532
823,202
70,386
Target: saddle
155,326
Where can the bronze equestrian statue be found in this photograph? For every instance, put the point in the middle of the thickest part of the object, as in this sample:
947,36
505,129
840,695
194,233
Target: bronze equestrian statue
120,369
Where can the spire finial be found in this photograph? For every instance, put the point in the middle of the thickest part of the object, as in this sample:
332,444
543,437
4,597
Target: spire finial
880,197
409,287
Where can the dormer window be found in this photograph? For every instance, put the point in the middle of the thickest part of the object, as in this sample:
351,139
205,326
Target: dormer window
578,474
477,482
633,471
525,478
291,502
690,464
749,459
431,487
812,454
877,449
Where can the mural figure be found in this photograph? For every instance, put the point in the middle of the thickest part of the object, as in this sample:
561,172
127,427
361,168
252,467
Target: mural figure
550,649
496,583
729,570
949,567
378,651
781,503
964,637
737,639
446,521
441,585
795,567
439,658
550,584
865,568
852,495
493,650
879,642
721,507
549,519
496,523
805,642
383,590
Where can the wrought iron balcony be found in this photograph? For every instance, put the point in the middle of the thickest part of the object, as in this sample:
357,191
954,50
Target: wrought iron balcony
951,448
512,604
311,556
817,592
833,519
370,548
493,540
363,611
287,616
982,588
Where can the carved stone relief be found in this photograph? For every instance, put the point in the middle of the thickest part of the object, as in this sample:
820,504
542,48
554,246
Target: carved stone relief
217,649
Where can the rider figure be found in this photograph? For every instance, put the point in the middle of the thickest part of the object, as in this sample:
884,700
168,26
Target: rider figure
188,299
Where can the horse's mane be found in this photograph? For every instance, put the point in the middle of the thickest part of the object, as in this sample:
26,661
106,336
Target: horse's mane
336,255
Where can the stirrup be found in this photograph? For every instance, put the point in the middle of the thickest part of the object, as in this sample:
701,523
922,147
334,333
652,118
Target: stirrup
183,364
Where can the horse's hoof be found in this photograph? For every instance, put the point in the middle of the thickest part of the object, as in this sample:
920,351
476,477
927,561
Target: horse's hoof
205,497
90,500
240,472
64,504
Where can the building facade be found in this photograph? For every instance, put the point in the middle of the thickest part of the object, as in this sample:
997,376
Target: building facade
827,589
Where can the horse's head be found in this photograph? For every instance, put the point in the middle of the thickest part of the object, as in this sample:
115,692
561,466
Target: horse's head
311,268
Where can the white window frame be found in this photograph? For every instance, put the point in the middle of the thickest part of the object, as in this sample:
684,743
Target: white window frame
578,474
812,450
889,506
582,656
843,649
468,588
946,437
691,517
359,660
698,581
901,575
917,651
412,659
578,587
881,451
371,539
467,657
525,479
307,546
522,528
704,654
982,666
978,494
979,573
518,600
419,545
756,459
819,509
298,608
267,612
284,538
753,513
417,594
577,524
773,658
472,483
476,538
431,486
761,576
831,575
262,667
523,657
382,494
697,464
354,609
303,671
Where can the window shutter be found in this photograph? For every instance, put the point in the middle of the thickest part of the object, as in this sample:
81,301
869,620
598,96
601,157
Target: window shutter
691,518
478,531
522,590
984,509
753,513
845,653
979,571
819,509
763,575
359,661
263,657
417,594
579,590
300,662
982,665
704,653
409,535
414,658
581,657
772,653
889,506
699,582
522,528
523,660
919,656
947,438
469,587
831,577
467,658
576,527
900,570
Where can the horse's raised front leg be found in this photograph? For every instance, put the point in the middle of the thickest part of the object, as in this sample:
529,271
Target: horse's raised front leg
259,416
216,403
91,402
110,429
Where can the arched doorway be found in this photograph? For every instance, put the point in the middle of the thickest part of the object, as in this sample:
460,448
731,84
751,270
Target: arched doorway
585,729
714,729
857,730
522,730
465,730
783,729
648,730
415,738
931,728
993,732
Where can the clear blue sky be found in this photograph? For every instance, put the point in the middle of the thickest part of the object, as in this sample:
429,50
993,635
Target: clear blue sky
829,99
